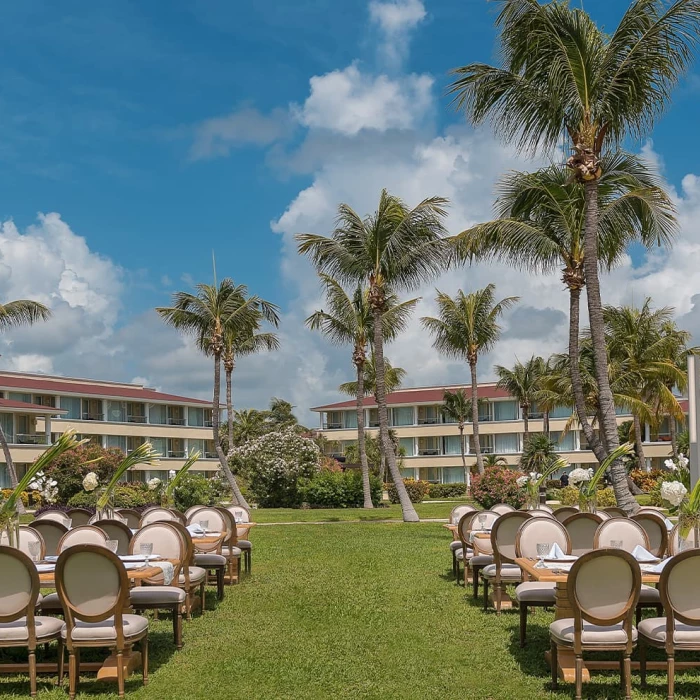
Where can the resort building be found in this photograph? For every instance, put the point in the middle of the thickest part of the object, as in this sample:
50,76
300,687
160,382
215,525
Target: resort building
35,408
429,442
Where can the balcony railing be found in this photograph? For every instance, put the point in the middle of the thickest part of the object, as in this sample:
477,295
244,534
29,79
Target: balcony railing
428,421
135,419
178,454
332,426
176,421
31,439
429,452
93,416
208,423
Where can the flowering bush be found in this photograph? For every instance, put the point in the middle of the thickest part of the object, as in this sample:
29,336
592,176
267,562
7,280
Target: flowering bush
579,476
646,480
417,490
90,482
193,490
46,486
28,497
154,483
127,495
498,485
273,465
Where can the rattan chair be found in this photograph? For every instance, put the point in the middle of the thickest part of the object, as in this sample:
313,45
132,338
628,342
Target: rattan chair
119,531
537,594
679,630
132,517
85,534
602,614
504,570
582,528
657,532
93,588
561,514
19,626
51,532
57,516
79,516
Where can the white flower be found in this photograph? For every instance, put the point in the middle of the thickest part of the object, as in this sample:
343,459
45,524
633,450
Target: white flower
153,483
34,486
674,492
534,476
579,476
683,461
670,464
521,481
171,474
90,481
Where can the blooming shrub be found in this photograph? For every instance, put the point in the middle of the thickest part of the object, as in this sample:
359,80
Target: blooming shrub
331,489
29,498
417,490
274,463
646,480
498,485
605,498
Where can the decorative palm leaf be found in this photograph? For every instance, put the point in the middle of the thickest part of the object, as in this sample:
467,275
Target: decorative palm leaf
143,454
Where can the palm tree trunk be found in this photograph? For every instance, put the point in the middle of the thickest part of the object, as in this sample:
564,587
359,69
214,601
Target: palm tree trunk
14,481
229,409
467,480
366,489
674,436
475,419
237,495
526,423
575,372
409,512
638,446
545,423
608,428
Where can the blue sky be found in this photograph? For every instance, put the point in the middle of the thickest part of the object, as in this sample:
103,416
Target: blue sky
158,132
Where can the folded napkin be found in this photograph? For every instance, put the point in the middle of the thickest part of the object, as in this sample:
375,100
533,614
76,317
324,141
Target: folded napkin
655,568
45,568
643,555
669,524
556,552
168,571
563,566
195,529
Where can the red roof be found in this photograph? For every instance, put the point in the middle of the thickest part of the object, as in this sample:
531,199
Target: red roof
7,403
49,385
413,396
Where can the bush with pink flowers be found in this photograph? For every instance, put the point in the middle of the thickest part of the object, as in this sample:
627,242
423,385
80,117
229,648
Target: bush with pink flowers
498,485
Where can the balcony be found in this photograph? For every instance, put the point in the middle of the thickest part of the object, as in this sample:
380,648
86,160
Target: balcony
208,424
135,419
333,426
93,416
428,421
176,421
176,454
30,439
210,455
429,452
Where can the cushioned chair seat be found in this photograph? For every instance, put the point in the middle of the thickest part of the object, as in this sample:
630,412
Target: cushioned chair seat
207,559
17,631
231,551
157,595
654,629
134,625
481,560
459,554
563,632
455,545
508,571
51,604
649,596
244,544
197,575
535,592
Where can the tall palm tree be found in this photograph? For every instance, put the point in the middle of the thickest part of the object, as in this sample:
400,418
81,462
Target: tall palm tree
248,424
466,327
458,408
522,383
393,379
13,314
209,315
494,460
395,248
540,226
349,322
562,74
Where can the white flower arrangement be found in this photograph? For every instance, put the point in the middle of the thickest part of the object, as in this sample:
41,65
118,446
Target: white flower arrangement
681,462
521,481
46,487
90,482
674,492
580,476
154,483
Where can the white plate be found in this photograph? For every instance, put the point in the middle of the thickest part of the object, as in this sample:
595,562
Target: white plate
138,557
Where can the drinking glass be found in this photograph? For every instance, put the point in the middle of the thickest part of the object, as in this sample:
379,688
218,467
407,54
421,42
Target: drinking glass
542,551
204,524
113,545
146,548
616,544
482,520
34,550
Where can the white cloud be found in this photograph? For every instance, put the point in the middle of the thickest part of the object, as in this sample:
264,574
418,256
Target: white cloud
396,19
348,101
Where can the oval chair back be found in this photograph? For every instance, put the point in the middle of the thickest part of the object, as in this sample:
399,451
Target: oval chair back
57,516
502,508
167,542
561,514
624,530
27,535
51,532
545,508
19,589
192,509
132,517
615,512
79,516
677,544
648,509
482,545
155,515
603,515
503,536
119,531
657,532
678,587
217,523
232,538
188,557
179,515
539,530
539,513
85,534
465,526
582,528
240,514
99,517
459,511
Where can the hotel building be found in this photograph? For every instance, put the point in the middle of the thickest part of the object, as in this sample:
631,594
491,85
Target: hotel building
430,442
35,408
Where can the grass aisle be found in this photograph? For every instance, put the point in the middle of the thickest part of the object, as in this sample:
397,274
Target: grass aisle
352,611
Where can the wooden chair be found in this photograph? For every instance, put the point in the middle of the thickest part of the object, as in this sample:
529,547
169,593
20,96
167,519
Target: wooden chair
27,535
155,515
85,534
537,594
465,552
602,614
679,630
19,626
656,530
582,528
561,514
51,532
456,544
504,569
615,512
119,531
676,543
191,577
502,508
229,547
132,517
209,555
481,548
541,513
93,588
57,516
242,516
79,516
99,517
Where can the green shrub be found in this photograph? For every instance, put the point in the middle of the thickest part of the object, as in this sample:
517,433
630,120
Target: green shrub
328,489
194,490
498,485
605,497
568,496
655,492
447,490
417,490
646,480
132,495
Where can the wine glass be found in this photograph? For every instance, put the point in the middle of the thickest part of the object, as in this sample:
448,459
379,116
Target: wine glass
616,544
34,550
204,524
542,551
113,545
146,548
482,520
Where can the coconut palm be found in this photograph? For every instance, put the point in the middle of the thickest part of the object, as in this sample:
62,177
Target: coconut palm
522,382
208,316
393,379
13,314
349,322
458,408
467,326
395,248
538,453
493,460
540,227
562,74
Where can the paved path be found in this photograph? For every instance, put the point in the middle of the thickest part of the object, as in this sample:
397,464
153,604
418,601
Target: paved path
338,522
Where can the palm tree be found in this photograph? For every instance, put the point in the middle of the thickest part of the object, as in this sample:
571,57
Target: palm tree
493,460
13,314
248,424
349,322
538,453
522,383
459,409
467,326
562,74
393,379
209,315
395,248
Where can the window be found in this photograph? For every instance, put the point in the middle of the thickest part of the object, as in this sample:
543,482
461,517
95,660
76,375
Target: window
560,412
409,473
506,443
195,446
116,411
133,441
176,415
92,409
350,419
116,442
583,442
44,400
505,410
535,412
208,417
176,447
161,474
402,416
8,426
409,446
17,396
429,446
5,482
158,445
622,411
136,412
72,405
452,475
451,445
373,420
93,439
334,448
209,449
334,420
157,414
486,444
195,416
485,411
430,474
563,443
429,415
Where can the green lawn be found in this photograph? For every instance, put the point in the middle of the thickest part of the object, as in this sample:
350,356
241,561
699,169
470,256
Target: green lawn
352,610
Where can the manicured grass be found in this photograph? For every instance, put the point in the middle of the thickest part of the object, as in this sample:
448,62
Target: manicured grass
352,610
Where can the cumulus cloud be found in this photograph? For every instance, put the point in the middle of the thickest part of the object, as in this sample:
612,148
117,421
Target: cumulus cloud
396,19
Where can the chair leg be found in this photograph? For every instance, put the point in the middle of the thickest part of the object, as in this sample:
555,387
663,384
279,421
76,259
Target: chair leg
61,656
144,659
642,663
475,581
249,561
72,674
120,672
202,593
455,571
579,676
637,616
32,673
220,583
188,605
671,676
627,673
486,594
554,659
523,624
497,596
177,626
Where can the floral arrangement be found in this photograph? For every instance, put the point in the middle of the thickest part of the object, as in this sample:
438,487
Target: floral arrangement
587,489
46,486
580,476
90,482
176,477
674,492
153,483
534,480
686,504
